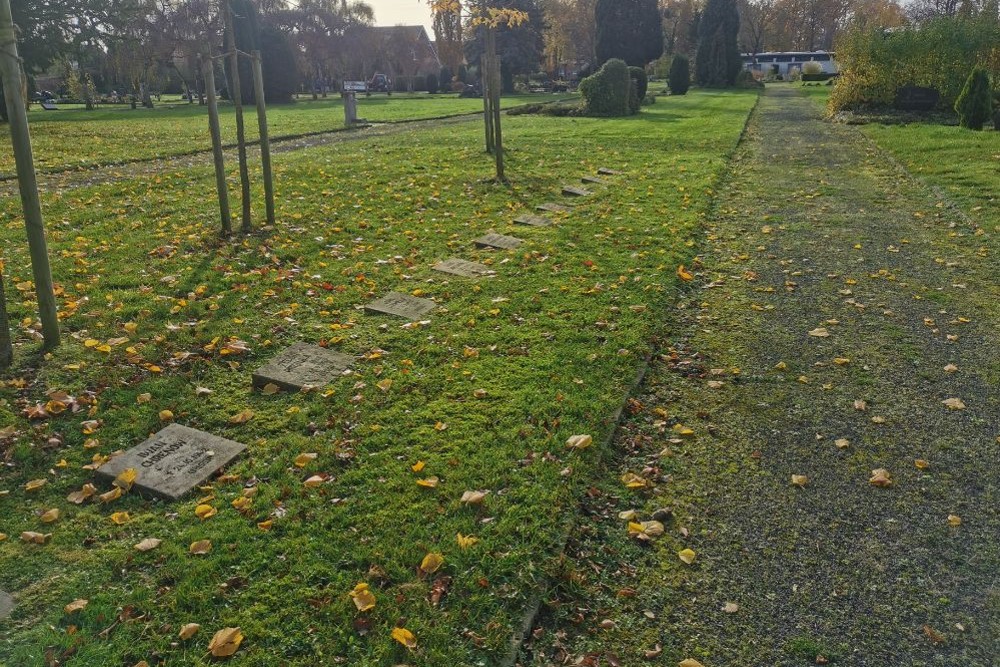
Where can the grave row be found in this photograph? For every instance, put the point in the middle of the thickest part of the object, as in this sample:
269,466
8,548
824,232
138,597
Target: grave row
178,458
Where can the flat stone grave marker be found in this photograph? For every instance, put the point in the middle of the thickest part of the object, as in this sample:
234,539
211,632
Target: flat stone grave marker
302,365
6,604
498,241
532,220
173,461
553,208
604,171
401,305
463,268
573,191
594,180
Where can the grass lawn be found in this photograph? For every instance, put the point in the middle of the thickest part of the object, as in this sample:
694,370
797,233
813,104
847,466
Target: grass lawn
963,163
483,395
78,138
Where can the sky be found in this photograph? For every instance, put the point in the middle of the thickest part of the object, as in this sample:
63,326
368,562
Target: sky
409,12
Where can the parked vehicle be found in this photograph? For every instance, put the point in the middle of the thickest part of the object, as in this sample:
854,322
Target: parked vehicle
380,83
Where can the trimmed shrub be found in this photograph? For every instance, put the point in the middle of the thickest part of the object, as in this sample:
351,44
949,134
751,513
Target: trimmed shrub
641,81
431,83
279,66
812,68
463,74
444,78
680,75
975,104
607,92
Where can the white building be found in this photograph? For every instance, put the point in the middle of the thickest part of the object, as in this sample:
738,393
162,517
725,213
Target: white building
782,62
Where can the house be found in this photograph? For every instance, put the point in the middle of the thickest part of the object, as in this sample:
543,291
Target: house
782,62
404,52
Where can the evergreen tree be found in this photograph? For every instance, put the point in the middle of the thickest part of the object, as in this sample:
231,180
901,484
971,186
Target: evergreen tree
247,28
279,66
680,75
718,61
975,103
629,29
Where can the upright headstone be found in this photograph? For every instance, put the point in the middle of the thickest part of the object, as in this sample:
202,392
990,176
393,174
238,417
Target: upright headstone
532,220
302,365
573,191
553,208
173,461
6,604
916,98
463,268
498,241
402,305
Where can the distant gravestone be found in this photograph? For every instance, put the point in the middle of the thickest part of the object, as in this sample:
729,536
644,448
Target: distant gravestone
916,98
402,305
553,208
6,604
49,106
604,171
594,180
173,461
532,220
463,268
498,241
302,365
573,191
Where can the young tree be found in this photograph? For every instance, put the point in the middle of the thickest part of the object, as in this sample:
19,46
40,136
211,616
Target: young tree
519,47
629,29
975,103
448,35
718,61
680,75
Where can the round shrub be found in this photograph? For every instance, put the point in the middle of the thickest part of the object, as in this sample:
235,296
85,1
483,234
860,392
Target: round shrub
607,92
432,83
680,75
975,103
641,81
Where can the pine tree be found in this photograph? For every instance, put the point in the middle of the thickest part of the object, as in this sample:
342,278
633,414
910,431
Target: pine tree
718,61
975,104
680,75
629,29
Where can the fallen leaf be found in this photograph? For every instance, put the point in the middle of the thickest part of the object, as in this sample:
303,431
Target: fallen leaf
933,635
431,563
113,494
687,555
954,520
126,478
428,482
474,497
922,464
645,530
225,642
302,460
418,466
633,481
75,606
200,547
684,274
314,481
188,630
800,481
954,403
31,537
404,637
50,516
120,518
143,398
35,484
466,541
148,544
579,441
880,477
950,368
842,443
166,416
860,406
241,417
820,332
731,608
78,497
690,662
270,389
205,511
384,385
363,598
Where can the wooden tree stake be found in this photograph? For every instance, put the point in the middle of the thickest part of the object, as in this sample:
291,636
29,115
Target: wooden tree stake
214,126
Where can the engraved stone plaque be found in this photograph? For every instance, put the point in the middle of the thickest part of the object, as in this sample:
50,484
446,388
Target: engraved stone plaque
604,171
553,208
6,604
461,267
401,305
573,191
302,365
173,461
532,220
498,241
593,180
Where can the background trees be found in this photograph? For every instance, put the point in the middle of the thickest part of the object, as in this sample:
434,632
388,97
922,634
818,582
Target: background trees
719,59
629,29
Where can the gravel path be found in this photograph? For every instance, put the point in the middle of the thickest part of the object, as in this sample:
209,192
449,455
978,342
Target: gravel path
841,314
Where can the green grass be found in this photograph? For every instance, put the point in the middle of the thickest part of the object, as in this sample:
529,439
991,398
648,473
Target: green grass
963,164
77,138
554,340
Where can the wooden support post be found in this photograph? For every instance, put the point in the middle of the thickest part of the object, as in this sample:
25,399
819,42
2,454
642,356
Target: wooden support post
495,90
208,73
237,95
6,347
265,140
10,72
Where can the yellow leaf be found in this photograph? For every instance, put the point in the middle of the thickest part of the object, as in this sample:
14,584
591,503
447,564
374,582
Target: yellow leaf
429,482
363,598
431,563
841,361
225,642
687,555
126,478
820,332
842,443
466,541
645,530
683,431
35,484
954,404
302,460
205,511
241,417
113,494
440,426
120,518
201,547
143,398
3,536
418,466
384,385
75,606
474,497
404,637
147,544
188,630
265,525
800,481
166,416
880,477
50,516
690,662
954,520
314,481
633,481
31,537
579,441
684,274
270,389
922,464
242,503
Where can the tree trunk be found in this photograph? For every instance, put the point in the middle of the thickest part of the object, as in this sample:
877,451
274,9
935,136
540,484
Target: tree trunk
208,68
10,71
237,95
